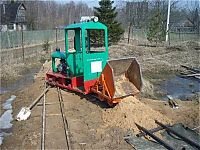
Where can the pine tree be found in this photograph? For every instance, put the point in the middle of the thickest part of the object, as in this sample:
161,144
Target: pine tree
107,15
156,31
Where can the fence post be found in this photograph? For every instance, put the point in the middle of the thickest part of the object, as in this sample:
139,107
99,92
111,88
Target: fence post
8,36
129,31
179,33
22,42
56,37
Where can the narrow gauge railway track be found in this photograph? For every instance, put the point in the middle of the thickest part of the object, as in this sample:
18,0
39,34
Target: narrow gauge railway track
44,131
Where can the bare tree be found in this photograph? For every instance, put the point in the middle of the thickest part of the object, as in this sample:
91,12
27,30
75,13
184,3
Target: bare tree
49,14
135,13
193,14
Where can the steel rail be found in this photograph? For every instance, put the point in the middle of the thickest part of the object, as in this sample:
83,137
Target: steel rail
187,140
166,145
43,123
65,123
66,127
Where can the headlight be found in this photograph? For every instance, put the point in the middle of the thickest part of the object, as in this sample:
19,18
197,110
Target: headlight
95,19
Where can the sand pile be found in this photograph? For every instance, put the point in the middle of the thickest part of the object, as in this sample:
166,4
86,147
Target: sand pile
131,111
123,86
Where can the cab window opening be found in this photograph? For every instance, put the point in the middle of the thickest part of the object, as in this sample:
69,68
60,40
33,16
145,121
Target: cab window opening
74,40
95,40
71,40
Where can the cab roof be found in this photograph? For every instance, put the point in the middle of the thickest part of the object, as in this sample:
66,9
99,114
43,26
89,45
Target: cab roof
86,25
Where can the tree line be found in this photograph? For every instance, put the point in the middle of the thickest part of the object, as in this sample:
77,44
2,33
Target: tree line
119,16
152,16
50,14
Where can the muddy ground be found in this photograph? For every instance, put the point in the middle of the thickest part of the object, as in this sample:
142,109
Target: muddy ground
89,128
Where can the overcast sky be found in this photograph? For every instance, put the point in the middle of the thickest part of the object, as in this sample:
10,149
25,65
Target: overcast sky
92,3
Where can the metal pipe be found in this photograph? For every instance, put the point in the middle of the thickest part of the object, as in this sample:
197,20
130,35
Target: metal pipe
152,131
196,128
166,145
168,16
191,69
187,140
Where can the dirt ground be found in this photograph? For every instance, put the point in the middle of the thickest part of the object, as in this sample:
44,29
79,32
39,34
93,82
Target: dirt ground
188,112
84,115
92,124
90,120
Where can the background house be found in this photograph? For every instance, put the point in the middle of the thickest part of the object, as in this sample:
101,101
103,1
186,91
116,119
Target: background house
185,26
13,17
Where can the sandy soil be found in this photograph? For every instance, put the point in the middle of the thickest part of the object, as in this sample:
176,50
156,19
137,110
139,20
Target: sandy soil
92,124
84,115
90,120
131,111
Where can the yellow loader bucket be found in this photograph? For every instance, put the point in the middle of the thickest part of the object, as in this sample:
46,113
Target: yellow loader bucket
119,78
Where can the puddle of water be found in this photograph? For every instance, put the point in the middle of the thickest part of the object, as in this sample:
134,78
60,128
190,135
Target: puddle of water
6,119
8,104
3,90
25,80
181,88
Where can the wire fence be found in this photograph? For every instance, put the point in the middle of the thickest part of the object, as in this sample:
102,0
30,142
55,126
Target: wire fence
13,39
178,37
174,37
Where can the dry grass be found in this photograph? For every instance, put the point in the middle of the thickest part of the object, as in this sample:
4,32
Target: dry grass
158,63
12,73
158,58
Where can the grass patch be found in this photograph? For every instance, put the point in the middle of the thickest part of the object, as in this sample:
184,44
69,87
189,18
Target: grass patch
10,74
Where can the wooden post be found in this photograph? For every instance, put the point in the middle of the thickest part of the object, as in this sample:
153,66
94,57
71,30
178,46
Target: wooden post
169,38
179,33
129,31
56,37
